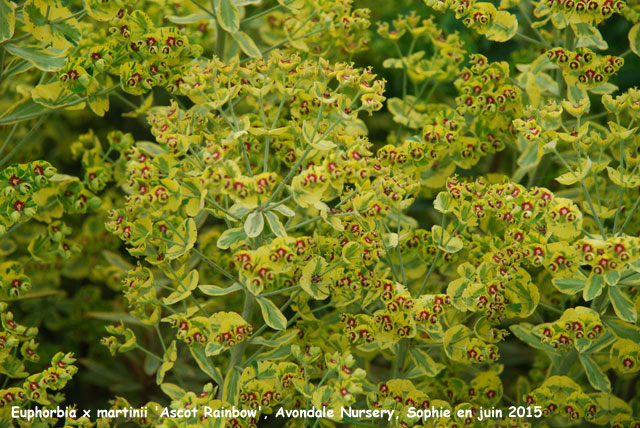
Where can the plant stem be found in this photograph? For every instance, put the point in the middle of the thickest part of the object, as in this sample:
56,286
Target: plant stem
149,353
22,141
238,351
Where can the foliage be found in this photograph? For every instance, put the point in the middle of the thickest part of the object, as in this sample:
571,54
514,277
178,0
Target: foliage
270,204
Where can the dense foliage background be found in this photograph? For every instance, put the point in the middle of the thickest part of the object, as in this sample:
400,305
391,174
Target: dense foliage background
308,203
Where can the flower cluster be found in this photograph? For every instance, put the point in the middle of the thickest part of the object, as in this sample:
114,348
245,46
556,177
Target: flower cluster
319,215
624,356
481,17
321,28
13,280
139,290
19,185
581,11
583,67
577,327
559,395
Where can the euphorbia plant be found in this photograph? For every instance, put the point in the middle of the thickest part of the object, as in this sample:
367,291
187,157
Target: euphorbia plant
262,249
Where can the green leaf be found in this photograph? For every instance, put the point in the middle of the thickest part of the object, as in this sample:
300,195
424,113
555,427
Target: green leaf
115,317
351,252
322,145
604,88
597,378
443,202
524,332
634,39
50,94
230,237
230,386
274,223
622,305
188,235
212,290
17,69
185,286
151,365
116,260
277,340
444,241
594,287
455,340
425,363
173,391
404,113
277,353
588,346
24,109
271,314
589,36
254,224
57,28
311,136
577,95
205,364
569,285
612,278
390,240
308,282
579,174
169,358
623,330
12,367
45,60
284,210
150,148
189,19
247,44
504,26
7,20
621,179
529,156
228,15
239,210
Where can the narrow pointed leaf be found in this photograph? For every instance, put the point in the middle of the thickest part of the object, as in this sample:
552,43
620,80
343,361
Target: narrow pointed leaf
228,15
597,378
271,314
247,44
274,223
45,60
7,20
623,306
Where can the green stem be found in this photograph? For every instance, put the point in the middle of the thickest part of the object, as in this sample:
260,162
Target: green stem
263,13
220,269
238,351
398,362
121,97
534,41
149,353
41,294
629,216
9,137
280,291
586,193
22,141
5,120
530,22
567,363
593,210
164,347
